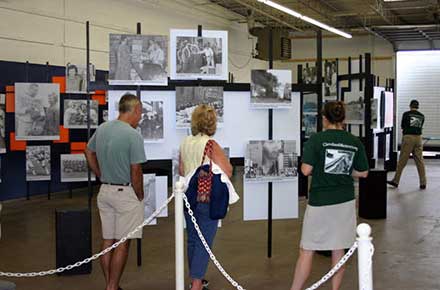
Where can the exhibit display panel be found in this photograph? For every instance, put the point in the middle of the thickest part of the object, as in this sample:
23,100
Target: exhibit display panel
76,78
37,111
271,89
138,59
74,168
194,57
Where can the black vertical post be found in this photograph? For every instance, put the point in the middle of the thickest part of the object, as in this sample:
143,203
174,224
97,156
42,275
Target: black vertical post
138,31
300,74
369,94
26,70
48,80
138,94
270,185
89,175
319,77
139,252
360,71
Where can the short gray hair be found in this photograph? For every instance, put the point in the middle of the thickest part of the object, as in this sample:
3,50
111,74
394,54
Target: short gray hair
128,102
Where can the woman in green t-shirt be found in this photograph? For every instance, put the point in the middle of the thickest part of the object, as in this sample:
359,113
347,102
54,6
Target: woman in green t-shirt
332,157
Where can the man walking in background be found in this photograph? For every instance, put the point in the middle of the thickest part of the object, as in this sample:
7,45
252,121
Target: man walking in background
115,154
412,125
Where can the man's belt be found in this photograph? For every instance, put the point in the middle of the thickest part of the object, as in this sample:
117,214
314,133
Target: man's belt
116,184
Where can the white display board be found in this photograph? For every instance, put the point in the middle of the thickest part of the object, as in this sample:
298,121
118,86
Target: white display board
286,126
241,123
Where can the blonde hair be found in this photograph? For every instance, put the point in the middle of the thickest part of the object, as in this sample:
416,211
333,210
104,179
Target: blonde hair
204,120
128,102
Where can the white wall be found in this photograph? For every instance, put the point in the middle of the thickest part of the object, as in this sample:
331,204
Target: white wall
343,48
54,30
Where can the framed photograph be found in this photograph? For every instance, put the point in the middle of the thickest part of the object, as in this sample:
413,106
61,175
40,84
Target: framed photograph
271,89
37,163
195,57
271,160
37,111
2,123
76,78
151,123
138,60
74,168
188,98
310,103
150,196
309,75
75,114
330,80
310,124
355,111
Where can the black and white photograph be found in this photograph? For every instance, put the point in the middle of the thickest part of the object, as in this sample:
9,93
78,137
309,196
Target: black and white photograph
151,123
310,103
310,124
75,114
271,88
309,75
105,115
37,111
76,78
338,161
74,168
271,160
375,113
355,111
37,163
188,98
138,59
2,123
330,80
194,57
150,196
175,154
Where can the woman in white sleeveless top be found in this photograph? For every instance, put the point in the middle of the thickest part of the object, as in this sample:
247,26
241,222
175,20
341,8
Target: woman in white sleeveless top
203,127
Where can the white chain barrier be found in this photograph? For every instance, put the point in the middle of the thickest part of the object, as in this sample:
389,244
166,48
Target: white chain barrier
365,260
94,257
335,269
208,249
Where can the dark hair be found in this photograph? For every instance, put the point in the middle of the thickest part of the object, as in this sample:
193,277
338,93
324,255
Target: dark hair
414,104
70,66
128,102
334,111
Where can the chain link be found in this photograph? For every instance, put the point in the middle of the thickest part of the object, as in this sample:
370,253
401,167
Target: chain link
336,268
208,249
94,257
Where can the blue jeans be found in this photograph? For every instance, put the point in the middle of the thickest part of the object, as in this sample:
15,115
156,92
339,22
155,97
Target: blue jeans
198,258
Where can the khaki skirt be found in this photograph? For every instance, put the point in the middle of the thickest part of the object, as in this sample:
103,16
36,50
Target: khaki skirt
331,227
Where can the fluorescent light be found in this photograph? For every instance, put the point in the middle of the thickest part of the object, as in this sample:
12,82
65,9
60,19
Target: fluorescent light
305,18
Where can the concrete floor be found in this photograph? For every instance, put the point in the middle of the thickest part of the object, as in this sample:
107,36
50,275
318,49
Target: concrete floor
407,256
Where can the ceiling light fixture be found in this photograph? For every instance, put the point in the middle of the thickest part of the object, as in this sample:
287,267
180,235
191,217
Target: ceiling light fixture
305,18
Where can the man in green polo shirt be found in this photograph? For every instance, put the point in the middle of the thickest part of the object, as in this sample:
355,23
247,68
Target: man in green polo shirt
412,126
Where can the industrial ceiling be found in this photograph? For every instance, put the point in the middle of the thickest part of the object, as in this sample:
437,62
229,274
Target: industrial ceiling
395,20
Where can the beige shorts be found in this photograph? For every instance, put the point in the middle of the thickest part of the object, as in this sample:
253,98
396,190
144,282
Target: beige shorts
120,211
